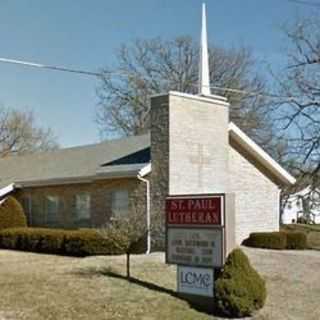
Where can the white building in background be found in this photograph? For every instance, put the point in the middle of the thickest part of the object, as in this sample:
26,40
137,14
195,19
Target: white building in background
305,201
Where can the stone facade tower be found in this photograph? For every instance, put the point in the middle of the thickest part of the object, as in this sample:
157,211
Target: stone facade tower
189,146
190,143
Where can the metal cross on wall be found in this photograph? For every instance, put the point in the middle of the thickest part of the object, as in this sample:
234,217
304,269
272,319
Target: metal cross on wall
200,160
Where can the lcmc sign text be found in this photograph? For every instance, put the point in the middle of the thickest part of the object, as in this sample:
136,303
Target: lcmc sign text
199,281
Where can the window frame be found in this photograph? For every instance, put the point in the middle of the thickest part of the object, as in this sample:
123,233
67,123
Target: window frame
88,208
53,218
122,210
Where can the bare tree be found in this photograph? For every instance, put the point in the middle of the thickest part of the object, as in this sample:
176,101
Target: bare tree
128,234
19,133
299,109
148,67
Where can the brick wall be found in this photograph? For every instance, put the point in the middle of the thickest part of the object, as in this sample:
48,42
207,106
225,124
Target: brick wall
256,197
100,200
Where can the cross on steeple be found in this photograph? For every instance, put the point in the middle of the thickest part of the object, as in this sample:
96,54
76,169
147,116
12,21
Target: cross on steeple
204,78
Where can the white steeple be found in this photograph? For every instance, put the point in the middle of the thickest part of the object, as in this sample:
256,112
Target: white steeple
204,80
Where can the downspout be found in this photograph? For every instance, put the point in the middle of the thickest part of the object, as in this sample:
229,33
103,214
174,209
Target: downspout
147,182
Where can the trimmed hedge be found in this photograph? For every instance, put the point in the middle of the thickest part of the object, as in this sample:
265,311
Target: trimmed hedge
12,214
239,289
277,240
83,242
296,240
267,240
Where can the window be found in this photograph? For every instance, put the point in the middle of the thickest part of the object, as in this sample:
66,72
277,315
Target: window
26,204
82,206
52,208
37,211
120,203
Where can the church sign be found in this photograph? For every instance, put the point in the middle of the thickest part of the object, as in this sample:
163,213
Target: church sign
196,281
202,211
195,247
194,234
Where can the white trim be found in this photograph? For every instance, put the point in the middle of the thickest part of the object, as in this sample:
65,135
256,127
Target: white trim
204,98
6,190
54,182
116,175
260,154
76,180
145,170
148,213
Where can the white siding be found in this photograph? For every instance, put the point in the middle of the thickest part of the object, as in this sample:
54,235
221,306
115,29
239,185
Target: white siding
256,197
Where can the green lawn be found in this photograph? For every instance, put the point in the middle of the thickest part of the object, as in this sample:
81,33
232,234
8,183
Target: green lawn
311,230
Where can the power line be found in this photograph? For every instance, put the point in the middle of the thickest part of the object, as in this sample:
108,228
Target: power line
100,75
252,93
43,66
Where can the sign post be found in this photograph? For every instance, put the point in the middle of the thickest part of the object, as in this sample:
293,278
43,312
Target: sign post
195,240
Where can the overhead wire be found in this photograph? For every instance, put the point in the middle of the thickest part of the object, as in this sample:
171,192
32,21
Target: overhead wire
101,74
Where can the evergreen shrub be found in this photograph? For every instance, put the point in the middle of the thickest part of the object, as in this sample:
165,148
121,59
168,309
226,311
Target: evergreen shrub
267,240
293,240
240,290
11,214
296,240
83,242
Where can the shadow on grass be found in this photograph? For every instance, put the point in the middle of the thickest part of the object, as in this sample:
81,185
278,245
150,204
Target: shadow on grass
196,303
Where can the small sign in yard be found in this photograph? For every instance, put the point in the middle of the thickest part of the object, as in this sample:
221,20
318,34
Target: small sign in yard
195,247
197,281
195,240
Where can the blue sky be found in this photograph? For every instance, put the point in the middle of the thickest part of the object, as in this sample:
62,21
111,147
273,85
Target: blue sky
85,34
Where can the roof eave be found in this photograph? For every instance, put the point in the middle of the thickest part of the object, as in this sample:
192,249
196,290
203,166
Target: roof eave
75,180
145,170
7,190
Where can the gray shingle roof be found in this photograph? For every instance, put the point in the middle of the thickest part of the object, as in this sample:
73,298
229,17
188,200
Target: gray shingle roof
70,163
113,158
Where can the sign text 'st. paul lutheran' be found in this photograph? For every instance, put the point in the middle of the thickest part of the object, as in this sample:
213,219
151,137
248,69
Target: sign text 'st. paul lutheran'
201,211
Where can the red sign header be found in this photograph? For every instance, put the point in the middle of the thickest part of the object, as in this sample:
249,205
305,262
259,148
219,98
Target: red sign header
194,211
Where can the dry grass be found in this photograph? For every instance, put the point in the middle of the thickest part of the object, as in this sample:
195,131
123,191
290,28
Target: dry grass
293,284
37,287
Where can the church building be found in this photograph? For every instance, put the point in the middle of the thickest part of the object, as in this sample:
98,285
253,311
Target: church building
192,148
